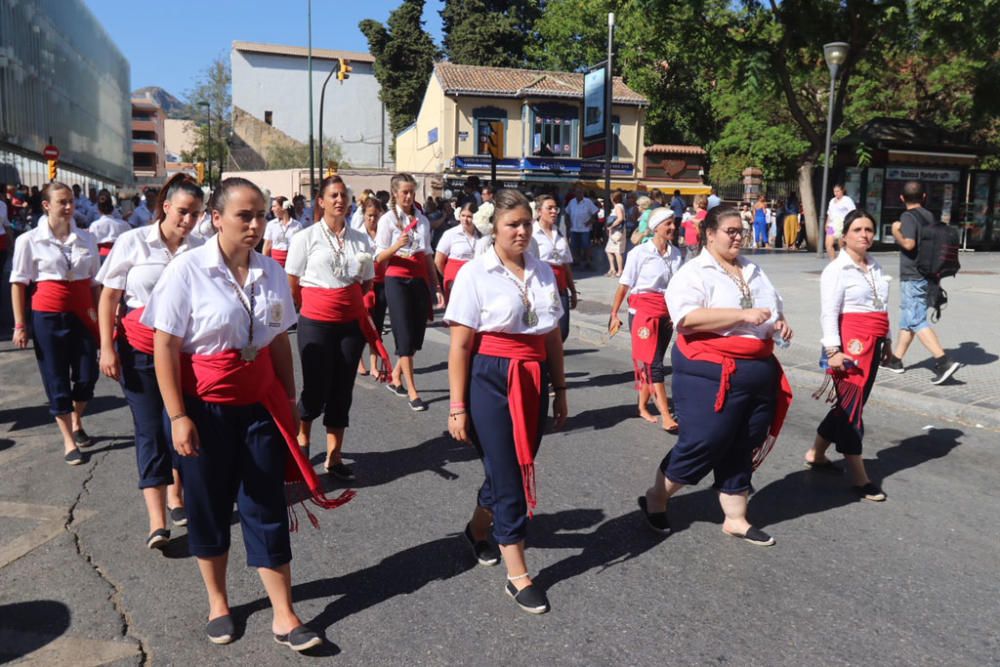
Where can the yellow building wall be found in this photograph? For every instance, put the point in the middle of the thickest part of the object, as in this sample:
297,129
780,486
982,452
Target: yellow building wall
466,123
415,152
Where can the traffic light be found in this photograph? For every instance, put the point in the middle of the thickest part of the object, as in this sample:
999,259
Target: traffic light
345,69
200,171
53,169
331,169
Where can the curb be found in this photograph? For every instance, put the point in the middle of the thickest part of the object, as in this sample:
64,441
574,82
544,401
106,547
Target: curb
885,397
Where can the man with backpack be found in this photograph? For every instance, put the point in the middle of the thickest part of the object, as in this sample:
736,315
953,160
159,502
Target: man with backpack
928,251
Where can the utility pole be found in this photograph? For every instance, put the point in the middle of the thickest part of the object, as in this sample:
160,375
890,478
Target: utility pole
609,84
309,61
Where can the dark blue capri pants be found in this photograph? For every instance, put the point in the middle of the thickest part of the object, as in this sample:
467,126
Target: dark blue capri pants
329,352
502,491
837,427
409,303
242,459
154,455
564,319
67,359
720,442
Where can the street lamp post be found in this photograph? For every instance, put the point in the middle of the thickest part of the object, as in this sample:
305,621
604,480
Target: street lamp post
322,99
309,66
835,53
208,114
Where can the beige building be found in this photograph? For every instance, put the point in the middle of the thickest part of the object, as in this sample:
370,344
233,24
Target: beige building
148,162
179,136
540,114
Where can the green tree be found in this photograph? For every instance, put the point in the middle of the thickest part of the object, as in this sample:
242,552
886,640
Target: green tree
213,87
570,35
488,32
404,59
296,156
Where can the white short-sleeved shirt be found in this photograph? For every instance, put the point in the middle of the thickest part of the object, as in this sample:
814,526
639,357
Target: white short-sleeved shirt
646,270
551,249
196,300
703,283
456,244
107,229
204,229
358,219
486,296
391,226
311,258
836,211
38,255
580,212
280,235
845,289
137,261
141,216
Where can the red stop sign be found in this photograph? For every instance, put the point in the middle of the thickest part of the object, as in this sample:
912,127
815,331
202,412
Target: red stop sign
50,152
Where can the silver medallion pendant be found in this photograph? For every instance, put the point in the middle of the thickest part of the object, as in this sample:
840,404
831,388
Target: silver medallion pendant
248,353
746,303
530,318
878,304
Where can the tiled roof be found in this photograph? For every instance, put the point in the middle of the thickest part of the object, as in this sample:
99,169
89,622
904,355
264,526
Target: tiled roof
675,148
520,83
301,51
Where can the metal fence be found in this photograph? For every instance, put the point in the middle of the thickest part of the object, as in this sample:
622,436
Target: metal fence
736,190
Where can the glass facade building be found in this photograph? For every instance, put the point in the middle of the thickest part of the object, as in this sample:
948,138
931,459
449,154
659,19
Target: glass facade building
62,80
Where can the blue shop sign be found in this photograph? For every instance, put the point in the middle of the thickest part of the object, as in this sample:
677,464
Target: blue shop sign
483,162
548,165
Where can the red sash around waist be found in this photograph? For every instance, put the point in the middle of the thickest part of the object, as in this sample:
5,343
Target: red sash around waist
524,391
105,248
562,277
225,378
414,266
68,296
859,335
346,304
279,256
451,272
649,308
138,335
725,350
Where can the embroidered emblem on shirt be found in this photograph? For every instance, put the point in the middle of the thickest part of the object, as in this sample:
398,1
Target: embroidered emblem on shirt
855,346
274,314
644,333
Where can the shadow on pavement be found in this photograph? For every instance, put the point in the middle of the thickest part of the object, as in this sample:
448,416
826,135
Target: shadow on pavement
434,368
574,351
806,492
969,353
30,416
377,468
606,380
600,418
31,625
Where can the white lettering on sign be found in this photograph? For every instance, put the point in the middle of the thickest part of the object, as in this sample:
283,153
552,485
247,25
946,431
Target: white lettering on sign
916,174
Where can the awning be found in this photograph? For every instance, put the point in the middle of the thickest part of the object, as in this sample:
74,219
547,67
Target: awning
669,187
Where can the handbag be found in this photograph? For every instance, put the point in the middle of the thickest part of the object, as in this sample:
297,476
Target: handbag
637,236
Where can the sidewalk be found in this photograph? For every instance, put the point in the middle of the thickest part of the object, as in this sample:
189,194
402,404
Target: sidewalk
968,331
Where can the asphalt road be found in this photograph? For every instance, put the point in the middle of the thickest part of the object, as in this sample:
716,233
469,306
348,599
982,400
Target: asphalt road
389,581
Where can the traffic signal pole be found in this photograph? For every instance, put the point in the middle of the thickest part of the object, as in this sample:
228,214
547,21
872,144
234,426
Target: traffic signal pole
342,69
609,85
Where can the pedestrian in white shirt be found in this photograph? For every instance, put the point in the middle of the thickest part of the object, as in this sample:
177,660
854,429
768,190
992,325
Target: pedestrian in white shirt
279,232
582,213
457,246
551,247
836,211
107,228
61,260
136,263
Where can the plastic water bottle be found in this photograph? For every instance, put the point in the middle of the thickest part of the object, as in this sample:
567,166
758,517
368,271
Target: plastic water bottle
779,342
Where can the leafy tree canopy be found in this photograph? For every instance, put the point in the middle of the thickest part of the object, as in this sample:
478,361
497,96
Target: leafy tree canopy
488,32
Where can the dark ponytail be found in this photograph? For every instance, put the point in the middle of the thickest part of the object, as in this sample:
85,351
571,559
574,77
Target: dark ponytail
179,182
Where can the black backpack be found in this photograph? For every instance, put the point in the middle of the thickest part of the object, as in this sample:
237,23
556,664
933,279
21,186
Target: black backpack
937,247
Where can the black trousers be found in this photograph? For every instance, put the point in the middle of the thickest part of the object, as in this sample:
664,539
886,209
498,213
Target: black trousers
409,303
329,352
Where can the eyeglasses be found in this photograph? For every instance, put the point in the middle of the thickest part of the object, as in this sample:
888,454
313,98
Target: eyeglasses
732,232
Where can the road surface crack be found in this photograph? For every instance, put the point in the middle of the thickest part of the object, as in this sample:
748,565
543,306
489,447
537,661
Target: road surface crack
115,597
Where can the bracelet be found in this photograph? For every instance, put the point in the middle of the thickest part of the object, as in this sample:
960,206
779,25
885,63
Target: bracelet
456,413
176,417
831,351
20,327
457,404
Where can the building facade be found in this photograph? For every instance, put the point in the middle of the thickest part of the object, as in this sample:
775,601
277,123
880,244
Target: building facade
62,81
271,84
148,137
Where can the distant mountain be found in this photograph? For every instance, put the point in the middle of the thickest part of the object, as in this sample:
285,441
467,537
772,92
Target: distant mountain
171,106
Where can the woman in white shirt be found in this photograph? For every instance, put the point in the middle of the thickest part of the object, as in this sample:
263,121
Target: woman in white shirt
279,232
457,246
505,345
648,270
403,241
132,270
106,229
375,303
854,298
730,393
615,246
60,260
553,249
329,270
224,367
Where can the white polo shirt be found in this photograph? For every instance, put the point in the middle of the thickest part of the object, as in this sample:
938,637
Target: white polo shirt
315,263
107,229
38,255
486,296
844,288
196,300
456,244
580,212
391,226
646,270
703,283
137,262
281,235
551,249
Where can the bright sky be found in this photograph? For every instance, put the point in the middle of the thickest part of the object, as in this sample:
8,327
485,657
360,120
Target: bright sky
170,43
